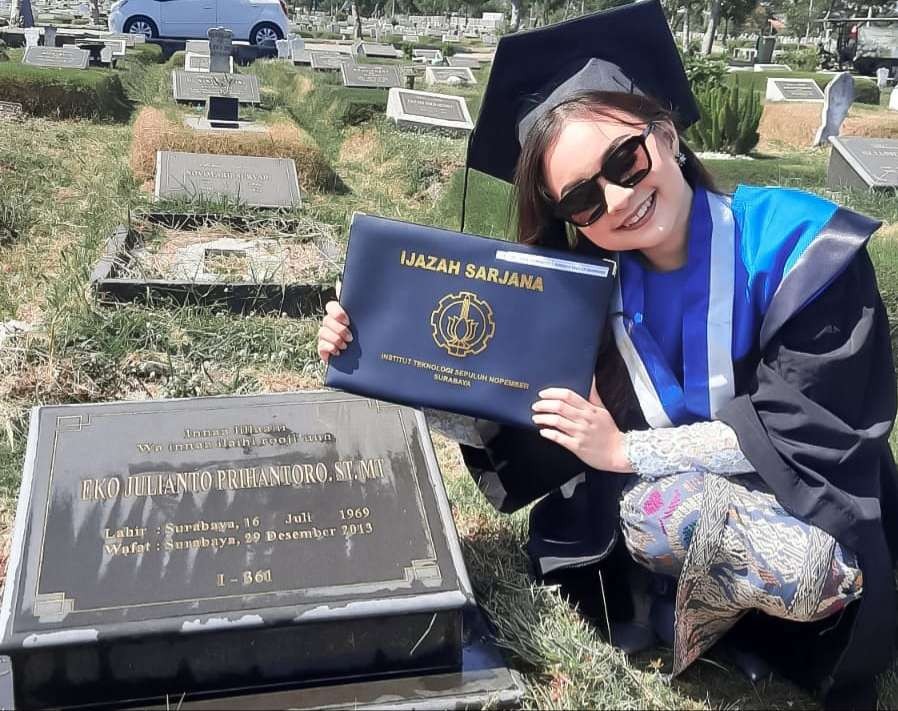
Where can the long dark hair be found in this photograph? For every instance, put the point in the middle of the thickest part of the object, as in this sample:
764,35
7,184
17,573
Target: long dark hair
536,223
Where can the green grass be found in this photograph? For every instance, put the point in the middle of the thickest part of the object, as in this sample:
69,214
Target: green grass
865,89
70,184
64,93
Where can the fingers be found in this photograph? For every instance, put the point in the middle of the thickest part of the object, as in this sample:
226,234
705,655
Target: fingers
559,407
564,440
562,424
565,395
333,309
334,334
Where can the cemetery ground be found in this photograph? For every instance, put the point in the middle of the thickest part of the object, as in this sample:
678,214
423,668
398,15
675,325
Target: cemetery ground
66,184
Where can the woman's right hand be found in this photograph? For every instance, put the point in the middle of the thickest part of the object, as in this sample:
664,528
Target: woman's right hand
334,334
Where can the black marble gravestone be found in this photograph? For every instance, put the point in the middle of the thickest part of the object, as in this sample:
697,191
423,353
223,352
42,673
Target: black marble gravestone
223,111
864,163
181,546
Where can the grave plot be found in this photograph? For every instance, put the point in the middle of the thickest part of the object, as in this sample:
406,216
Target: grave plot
426,111
246,263
57,91
155,131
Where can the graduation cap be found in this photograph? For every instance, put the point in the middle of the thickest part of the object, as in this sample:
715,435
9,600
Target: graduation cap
627,48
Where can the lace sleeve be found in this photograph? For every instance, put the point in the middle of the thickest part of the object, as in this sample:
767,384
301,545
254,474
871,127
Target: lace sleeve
710,447
456,427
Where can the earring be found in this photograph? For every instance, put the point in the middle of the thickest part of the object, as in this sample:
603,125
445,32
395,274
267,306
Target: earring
680,158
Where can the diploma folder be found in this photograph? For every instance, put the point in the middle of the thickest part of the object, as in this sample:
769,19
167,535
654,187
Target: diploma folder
466,324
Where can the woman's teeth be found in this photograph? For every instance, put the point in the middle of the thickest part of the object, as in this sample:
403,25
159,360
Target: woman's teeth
643,209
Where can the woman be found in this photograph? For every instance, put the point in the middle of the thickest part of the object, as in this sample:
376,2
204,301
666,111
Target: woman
735,443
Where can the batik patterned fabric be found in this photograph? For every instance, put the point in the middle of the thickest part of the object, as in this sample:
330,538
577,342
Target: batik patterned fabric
734,549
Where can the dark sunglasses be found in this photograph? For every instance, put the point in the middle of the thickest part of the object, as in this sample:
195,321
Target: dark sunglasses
626,166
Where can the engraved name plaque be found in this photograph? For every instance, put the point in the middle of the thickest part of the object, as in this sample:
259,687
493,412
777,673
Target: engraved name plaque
197,86
262,182
181,545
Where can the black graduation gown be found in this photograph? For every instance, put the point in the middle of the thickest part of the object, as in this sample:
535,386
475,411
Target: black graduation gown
814,407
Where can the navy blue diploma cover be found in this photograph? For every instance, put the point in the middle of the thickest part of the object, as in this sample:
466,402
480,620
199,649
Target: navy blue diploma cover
466,324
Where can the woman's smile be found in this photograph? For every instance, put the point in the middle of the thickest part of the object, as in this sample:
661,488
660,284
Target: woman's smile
641,215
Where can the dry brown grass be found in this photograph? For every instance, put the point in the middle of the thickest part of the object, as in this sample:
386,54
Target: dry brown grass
302,85
360,146
794,125
154,131
285,381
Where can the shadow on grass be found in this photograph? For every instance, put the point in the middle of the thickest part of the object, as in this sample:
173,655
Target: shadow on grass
568,664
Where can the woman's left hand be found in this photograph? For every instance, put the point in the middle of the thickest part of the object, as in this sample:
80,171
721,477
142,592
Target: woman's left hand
584,427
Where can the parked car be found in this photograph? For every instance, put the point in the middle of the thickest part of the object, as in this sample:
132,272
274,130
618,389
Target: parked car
252,20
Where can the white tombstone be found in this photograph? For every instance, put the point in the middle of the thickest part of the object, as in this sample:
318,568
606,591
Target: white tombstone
893,100
49,36
283,49
772,68
796,90
882,77
220,43
837,99
298,52
32,36
197,47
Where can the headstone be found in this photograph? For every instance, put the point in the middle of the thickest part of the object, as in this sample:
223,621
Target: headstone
107,55
196,62
118,47
298,52
805,90
457,61
449,75
202,62
410,38
283,47
11,111
772,68
196,87
197,46
427,55
222,110
489,39
32,36
837,99
259,182
49,36
425,110
370,76
328,61
765,46
370,49
67,57
192,545
220,41
893,100
864,163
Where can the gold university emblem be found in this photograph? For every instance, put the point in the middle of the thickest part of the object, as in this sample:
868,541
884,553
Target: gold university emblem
462,324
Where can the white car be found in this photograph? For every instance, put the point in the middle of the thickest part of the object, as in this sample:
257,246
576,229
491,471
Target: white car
252,20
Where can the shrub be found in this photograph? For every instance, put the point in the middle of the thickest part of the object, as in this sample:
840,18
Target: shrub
804,59
704,72
65,93
729,120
